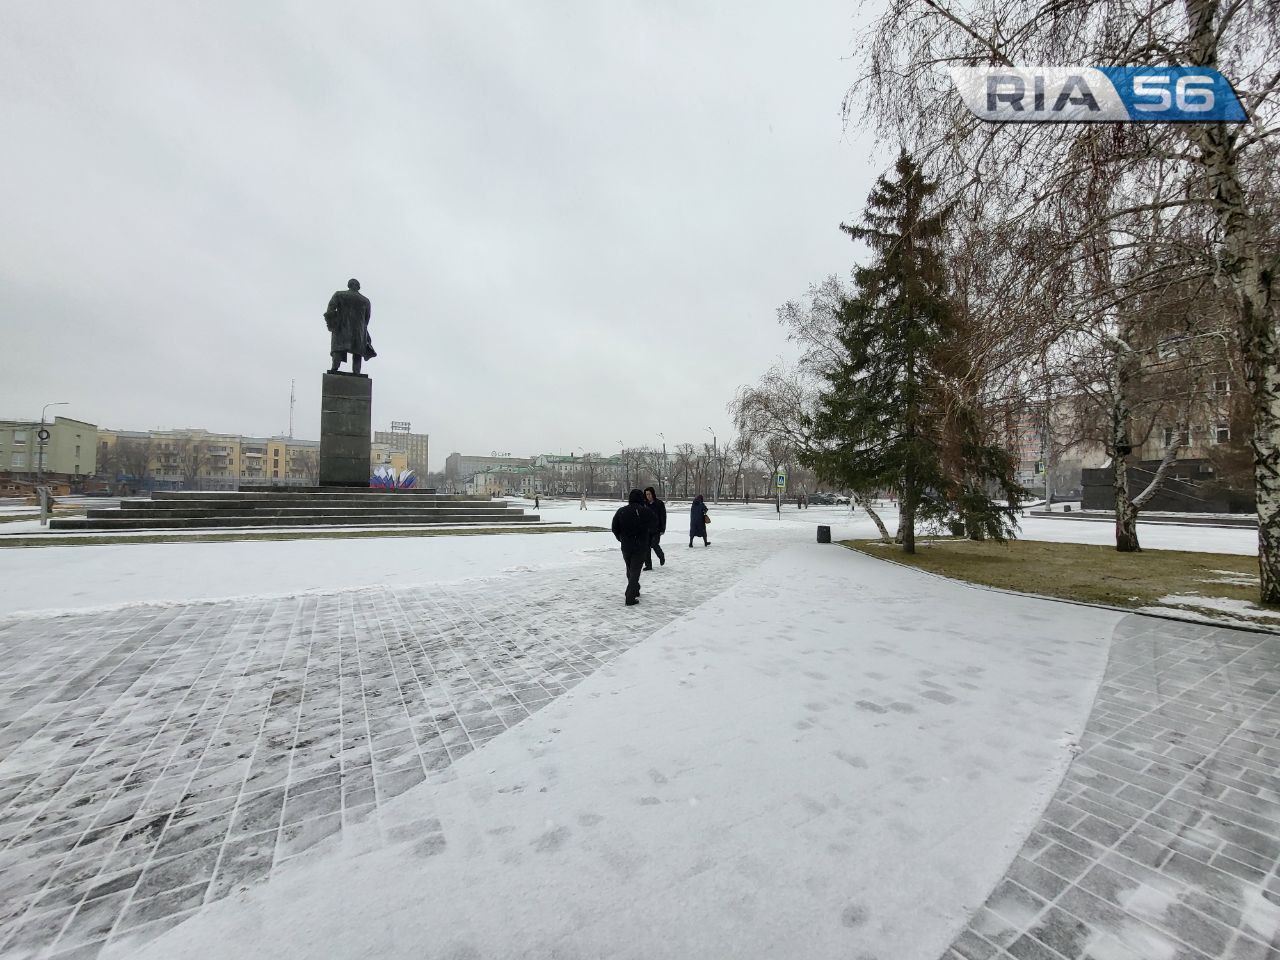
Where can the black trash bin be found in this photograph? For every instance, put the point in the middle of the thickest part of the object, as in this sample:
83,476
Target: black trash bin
824,534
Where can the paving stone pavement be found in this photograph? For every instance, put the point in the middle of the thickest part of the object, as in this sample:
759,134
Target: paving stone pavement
1163,840
155,759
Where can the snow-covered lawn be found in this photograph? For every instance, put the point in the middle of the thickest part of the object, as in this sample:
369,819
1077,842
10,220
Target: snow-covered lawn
833,758
63,578
97,576
849,525
1239,612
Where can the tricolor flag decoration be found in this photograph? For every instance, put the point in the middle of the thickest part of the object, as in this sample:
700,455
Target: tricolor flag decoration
1098,94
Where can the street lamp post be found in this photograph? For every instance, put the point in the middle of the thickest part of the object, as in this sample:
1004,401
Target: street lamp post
1048,451
582,472
1047,435
662,469
41,492
715,457
626,469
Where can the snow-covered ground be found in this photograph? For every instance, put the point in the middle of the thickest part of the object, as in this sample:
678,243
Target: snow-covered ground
834,758
78,577
107,575
846,524
1237,540
1231,611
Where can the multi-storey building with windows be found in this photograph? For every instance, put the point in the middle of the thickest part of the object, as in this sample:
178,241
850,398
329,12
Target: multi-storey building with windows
558,473
200,460
70,452
503,480
414,446
458,467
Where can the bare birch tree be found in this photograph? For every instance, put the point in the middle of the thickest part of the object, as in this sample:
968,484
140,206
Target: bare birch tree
1016,169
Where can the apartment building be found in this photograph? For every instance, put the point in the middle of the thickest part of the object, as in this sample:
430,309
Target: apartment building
414,446
196,459
503,480
558,473
384,454
69,452
458,467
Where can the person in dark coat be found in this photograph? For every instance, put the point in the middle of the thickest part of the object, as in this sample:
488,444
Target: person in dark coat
347,318
698,521
659,509
633,525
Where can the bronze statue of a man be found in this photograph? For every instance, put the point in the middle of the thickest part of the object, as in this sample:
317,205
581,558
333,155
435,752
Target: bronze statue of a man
348,321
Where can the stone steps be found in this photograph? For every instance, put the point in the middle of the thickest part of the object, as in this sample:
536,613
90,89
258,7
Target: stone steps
291,488
308,496
310,503
197,509
163,522
294,511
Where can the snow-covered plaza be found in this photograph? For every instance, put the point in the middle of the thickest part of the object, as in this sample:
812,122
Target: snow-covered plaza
466,747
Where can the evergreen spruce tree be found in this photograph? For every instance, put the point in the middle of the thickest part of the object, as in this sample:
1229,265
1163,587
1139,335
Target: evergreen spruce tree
888,418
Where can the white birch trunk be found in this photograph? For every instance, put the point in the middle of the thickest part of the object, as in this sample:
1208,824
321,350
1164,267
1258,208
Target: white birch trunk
1170,455
865,504
1123,363
1257,311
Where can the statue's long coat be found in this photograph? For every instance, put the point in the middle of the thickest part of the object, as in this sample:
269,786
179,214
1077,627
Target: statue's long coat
348,321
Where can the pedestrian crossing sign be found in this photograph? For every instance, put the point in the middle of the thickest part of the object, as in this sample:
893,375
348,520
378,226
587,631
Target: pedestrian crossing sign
781,480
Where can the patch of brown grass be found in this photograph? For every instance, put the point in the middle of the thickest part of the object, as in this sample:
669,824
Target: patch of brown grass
1075,571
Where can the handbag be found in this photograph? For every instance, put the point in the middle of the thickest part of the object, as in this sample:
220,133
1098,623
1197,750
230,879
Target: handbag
706,518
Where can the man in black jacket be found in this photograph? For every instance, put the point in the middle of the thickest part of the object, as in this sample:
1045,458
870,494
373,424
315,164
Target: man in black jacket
655,542
633,525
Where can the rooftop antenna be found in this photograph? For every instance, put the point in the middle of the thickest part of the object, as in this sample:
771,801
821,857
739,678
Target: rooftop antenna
291,401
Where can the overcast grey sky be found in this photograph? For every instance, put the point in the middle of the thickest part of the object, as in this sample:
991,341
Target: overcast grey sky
574,220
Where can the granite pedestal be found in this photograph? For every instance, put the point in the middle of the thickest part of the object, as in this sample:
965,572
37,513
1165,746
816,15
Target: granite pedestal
346,411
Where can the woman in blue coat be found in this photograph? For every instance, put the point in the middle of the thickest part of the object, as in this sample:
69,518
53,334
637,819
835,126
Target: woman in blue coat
698,521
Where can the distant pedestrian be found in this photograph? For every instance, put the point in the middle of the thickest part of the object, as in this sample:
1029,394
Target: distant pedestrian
659,509
537,502
633,525
698,520
583,504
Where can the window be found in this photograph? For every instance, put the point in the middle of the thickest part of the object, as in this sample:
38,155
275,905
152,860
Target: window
19,436
77,453
1223,433
19,461
1169,434
1222,386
